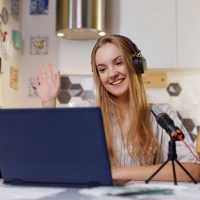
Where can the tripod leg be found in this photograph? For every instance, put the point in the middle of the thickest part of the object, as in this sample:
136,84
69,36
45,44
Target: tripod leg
147,181
183,168
174,172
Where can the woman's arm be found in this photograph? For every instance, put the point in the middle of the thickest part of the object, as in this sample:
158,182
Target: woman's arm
48,87
142,173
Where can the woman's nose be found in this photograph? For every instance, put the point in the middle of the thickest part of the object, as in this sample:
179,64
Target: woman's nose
113,72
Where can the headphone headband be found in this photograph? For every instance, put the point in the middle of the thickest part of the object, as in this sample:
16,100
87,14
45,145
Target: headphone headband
139,62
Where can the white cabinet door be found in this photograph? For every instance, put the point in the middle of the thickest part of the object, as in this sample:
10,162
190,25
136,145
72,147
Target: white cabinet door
151,24
188,33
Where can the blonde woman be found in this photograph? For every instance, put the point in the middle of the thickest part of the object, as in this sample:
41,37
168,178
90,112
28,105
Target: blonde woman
137,145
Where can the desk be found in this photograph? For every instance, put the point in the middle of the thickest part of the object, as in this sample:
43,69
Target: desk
183,191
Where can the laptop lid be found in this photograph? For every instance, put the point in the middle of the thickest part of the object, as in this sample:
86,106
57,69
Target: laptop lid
54,146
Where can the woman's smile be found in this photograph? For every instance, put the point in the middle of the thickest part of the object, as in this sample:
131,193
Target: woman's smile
118,81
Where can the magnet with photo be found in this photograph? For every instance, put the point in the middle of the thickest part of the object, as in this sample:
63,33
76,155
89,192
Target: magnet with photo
15,9
0,65
39,7
5,45
39,45
32,86
14,77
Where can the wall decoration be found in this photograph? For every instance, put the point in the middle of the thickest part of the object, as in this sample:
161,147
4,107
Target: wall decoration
5,45
75,88
17,39
1,35
14,77
14,9
39,7
0,65
32,86
4,15
39,45
174,89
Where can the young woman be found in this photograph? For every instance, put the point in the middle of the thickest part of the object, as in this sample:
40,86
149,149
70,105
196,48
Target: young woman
137,145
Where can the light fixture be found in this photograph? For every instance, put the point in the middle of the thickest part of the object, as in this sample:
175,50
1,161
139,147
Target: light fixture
60,34
102,33
80,19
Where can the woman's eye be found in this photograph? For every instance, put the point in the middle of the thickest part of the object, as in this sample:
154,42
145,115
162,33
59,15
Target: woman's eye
101,70
119,63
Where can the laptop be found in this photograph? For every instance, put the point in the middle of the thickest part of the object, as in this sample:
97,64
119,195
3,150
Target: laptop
54,146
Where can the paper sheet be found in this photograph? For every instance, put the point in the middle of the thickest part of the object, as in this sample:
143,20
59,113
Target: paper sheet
147,191
27,193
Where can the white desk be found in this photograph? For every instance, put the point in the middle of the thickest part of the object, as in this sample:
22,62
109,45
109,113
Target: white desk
184,191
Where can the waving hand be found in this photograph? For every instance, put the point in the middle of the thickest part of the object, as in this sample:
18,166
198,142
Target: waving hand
49,86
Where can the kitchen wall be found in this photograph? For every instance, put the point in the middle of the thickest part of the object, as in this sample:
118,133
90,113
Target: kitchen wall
181,92
10,56
72,58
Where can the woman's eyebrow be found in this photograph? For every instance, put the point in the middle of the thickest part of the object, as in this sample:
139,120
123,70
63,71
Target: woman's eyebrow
101,65
118,57
114,60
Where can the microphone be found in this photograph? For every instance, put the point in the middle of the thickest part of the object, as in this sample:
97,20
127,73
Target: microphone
167,123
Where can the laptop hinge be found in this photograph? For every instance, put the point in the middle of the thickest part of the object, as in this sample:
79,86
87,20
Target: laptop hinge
17,181
94,183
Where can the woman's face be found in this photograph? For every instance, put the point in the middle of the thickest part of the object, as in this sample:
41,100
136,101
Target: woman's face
112,70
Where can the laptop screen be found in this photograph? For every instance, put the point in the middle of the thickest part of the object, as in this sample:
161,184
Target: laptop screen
54,146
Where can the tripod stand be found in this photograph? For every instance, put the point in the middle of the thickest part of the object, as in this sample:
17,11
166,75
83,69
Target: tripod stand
172,156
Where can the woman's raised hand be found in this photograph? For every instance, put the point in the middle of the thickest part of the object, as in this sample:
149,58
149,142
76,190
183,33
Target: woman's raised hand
49,85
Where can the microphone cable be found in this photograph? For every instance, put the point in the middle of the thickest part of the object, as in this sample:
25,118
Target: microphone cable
190,150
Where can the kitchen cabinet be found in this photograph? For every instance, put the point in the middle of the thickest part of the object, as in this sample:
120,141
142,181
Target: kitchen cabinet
167,31
152,26
188,34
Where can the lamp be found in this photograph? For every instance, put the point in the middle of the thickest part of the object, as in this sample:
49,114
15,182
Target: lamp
80,19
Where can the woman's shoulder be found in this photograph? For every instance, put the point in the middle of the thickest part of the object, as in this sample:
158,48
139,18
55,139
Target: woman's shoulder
84,103
159,108
164,107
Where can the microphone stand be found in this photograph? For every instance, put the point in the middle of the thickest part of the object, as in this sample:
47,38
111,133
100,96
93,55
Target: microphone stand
172,156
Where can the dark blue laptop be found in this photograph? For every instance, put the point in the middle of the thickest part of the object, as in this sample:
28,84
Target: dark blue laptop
54,146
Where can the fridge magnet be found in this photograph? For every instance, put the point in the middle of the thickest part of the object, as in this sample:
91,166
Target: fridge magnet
0,65
32,86
4,15
14,10
39,45
17,39
39,7
5,45
14,73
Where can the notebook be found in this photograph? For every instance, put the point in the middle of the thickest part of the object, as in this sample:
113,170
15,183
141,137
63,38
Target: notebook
54,146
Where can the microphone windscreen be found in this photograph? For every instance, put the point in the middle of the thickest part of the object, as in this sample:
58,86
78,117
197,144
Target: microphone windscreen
167,123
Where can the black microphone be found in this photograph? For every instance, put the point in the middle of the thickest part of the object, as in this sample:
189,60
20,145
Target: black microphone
167,123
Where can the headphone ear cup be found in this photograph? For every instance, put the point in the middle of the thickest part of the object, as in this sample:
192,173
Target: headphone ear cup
139,63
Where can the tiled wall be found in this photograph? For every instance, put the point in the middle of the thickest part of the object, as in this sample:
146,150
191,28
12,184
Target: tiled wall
182,93
76,88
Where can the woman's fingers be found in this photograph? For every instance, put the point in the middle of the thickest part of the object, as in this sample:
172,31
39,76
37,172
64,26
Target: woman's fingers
49,73
42,74
58,79
46,76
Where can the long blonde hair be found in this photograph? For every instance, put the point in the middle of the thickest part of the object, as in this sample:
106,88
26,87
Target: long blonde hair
140,141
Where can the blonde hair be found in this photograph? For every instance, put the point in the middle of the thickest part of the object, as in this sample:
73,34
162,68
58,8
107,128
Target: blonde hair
140,141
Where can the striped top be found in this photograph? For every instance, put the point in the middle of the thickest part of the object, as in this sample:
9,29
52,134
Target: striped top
183,152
